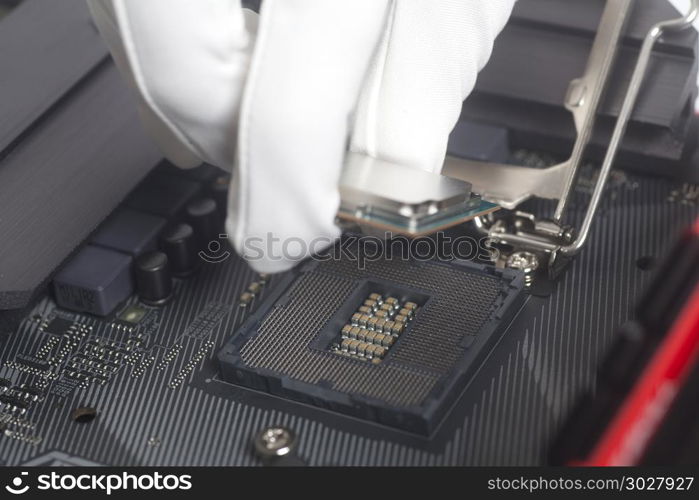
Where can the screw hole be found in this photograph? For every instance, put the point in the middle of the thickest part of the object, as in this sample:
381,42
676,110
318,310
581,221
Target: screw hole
646,263
83,415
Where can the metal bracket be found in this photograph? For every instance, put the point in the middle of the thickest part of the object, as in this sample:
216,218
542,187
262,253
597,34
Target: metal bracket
550,241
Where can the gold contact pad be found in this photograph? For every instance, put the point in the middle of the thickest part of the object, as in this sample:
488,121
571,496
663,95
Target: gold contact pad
374,327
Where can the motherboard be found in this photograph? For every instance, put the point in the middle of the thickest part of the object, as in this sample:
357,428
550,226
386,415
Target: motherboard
132,334
384,365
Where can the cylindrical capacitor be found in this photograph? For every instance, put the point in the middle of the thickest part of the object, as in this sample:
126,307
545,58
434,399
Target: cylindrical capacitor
218,190
203,217
153,278
180,246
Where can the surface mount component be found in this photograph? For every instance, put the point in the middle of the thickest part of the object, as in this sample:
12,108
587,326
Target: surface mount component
129,232
57,326
95,281
394,343
203,216
403,199
178,243
132,314
162,194
153,278
375,326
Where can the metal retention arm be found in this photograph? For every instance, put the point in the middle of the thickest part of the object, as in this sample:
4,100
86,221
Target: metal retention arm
639,74
509,185
585,93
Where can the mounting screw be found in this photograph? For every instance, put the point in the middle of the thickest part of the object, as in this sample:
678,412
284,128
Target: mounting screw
274,442
526,262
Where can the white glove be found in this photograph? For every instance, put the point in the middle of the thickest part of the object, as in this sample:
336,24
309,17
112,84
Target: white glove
278,103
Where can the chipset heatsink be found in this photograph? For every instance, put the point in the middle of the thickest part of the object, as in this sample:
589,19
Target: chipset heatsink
393,343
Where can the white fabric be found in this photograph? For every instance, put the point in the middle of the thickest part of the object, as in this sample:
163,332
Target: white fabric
280,103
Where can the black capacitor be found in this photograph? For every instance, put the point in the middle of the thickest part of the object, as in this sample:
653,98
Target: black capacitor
180,246
153,278
203,217
218,190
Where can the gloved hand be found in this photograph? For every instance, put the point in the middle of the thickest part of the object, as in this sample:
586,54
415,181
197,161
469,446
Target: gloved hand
278,99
